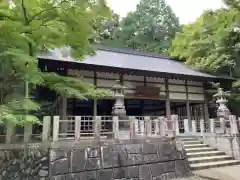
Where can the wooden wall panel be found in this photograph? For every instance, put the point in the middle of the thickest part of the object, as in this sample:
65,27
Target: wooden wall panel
192,89
132,85
178,96
175,81
195,83
196,97
102,75
161,86
88,80
134,78
105,83
155,80
177,88
74,72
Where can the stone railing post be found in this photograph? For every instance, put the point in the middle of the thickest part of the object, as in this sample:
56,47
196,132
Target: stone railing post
142,127
174,118
115,127
233,124
194,126
186,126
55,128
148,125
46,128
222,125
136,123
157,126
10,132
212,126
97,128
238,122
132,127
202,126
163,126
27,132
77,130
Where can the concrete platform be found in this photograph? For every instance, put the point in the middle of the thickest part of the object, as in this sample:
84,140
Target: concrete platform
221,173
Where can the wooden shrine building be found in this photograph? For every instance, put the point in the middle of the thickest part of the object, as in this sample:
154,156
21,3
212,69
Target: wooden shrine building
155,85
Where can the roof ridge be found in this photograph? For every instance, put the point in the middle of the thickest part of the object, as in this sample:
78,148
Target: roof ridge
133,52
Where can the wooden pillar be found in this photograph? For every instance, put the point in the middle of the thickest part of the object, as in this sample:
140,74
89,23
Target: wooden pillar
121,79
168,108
188,107
95,100
63,106
205,107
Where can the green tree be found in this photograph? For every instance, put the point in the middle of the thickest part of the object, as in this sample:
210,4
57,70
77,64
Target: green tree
200,44
109,27
30,26
212,44
150,28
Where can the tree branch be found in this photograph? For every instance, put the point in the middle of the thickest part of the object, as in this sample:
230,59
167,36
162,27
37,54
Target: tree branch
24,12
45,10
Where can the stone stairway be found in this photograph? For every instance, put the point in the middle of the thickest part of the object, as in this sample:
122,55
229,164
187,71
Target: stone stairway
201,156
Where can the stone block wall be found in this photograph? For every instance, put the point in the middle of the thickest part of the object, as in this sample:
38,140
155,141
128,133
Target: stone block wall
140,161
17,164
132,160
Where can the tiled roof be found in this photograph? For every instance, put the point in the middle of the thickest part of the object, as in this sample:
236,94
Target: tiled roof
128,59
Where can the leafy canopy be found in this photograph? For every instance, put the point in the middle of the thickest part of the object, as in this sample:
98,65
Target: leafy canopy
30,26
212,44
150,28
204,44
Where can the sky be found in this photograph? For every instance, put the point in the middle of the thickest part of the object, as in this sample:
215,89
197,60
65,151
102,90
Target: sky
187,10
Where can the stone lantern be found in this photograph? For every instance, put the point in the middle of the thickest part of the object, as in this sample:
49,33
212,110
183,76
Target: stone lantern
223,112
222,99
118,107
119,110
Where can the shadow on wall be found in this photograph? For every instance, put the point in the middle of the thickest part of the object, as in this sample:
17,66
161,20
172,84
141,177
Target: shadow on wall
134,159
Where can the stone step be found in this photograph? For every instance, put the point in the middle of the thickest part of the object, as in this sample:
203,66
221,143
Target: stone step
192,142
201,149
204,154
200,166
188,138
206,159
186,146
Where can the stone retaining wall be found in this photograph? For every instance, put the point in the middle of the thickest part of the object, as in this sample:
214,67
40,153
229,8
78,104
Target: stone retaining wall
145,160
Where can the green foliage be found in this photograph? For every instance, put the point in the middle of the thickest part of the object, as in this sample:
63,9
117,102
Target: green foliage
233,3
212,44
150,28
30,26
203,43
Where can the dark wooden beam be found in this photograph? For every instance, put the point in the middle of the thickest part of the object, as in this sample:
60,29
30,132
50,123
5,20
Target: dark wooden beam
188,106
168,103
